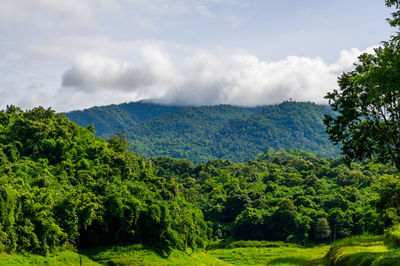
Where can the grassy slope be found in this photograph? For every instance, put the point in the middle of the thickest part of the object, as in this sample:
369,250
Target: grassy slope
66,257
273,255
362,250
138,255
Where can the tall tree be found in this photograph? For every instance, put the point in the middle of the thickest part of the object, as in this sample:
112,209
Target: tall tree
395,21
367,102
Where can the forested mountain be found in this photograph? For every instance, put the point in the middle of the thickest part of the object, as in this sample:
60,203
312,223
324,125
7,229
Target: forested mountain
59,184
213,132
113,118
62,186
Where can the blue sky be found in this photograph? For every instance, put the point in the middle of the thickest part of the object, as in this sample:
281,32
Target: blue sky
80,53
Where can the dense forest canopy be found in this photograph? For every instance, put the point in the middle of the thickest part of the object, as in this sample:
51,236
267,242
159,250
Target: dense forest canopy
60,184
213,132
119,117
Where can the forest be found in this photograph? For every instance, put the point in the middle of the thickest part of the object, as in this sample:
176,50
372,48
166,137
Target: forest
207,133
60,185
213,185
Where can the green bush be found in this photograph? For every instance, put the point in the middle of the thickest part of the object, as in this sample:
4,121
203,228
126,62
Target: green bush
392,236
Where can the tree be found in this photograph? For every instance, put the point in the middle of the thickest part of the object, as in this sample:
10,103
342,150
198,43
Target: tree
118,143
322,230
367,103
340,222
395,21
367,124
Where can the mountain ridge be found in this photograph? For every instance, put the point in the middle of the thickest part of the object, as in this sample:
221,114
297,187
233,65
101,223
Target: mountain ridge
213,132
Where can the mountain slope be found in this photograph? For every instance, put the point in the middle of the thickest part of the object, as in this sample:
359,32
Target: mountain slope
187,133
113,118
206,133
212,132
284,126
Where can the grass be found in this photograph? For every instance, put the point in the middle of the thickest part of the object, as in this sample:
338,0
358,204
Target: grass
360,250
66,257
139,255
230,244
284,255
363,250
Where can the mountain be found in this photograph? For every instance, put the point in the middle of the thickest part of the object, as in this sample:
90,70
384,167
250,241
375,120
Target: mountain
212,132
113,118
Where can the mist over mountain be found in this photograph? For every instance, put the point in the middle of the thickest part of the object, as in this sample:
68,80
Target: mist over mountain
212,132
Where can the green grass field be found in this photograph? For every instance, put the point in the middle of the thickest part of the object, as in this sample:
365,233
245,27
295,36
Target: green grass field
362,250
58,258
272,256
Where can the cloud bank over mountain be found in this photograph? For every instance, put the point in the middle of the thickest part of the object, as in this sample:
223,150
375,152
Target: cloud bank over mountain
76,54
224,77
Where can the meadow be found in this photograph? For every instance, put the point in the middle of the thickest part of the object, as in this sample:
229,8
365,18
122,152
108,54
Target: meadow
357,250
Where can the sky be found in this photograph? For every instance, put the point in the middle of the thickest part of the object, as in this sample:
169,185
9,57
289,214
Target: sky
76,54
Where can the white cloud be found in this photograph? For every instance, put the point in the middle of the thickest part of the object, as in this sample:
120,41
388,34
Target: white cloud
349,57
74,54
210,78
93,73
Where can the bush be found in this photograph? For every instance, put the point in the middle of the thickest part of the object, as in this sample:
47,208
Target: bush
392,236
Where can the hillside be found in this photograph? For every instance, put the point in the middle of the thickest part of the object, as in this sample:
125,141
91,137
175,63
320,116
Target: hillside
61,186
213,132
63,191
113,118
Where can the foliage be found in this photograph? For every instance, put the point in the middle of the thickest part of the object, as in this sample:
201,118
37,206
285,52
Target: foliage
392,236
289,196
395,21
140,255
213,132
368,120
59,184
60,258
367,102
113,118
362,250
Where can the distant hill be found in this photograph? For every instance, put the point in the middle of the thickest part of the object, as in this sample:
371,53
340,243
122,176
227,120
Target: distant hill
211,132
113,118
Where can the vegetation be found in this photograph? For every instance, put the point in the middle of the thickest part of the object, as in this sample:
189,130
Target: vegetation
368,120
287,196
59,184
274,255
362,250
140,255
367,124
359,250
213,132
60,258
114,118
64,191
